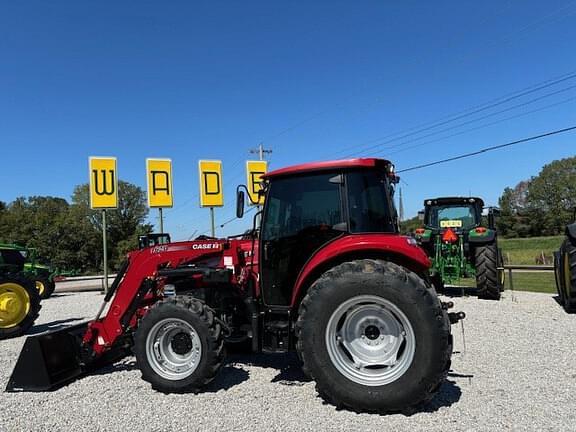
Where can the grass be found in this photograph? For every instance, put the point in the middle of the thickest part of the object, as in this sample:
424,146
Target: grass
523,281
527,250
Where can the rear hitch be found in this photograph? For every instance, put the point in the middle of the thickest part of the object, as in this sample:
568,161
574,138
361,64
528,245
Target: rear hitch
454,317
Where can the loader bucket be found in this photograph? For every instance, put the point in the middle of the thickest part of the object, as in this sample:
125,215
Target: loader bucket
48,361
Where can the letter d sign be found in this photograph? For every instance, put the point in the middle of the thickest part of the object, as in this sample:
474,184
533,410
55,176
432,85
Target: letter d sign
211,194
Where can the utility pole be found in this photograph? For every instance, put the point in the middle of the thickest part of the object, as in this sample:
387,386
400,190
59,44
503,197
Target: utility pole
401,205
260,151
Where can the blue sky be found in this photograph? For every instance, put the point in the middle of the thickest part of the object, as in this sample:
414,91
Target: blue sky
312,80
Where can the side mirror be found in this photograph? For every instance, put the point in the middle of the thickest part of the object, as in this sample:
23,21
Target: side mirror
493,212
239,203
421,215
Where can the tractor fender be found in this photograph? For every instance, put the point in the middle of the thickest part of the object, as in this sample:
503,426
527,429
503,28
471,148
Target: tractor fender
488,237
571,232
397,248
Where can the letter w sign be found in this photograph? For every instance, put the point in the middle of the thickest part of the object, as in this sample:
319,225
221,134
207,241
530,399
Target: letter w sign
103,183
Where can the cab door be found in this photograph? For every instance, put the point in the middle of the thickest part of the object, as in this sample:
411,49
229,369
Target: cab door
301,214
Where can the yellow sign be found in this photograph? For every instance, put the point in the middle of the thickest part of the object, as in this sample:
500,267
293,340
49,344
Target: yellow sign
254,172
211,194
103,183
455,223
159,177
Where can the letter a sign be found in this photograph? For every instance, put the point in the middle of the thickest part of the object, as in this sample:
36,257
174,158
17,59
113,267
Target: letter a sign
159,175
211,194
103,183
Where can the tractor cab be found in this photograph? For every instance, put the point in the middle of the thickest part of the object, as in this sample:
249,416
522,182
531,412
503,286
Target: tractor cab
460,214
153,239
12,258
308,206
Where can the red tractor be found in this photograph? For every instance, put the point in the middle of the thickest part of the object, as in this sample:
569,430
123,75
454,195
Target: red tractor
325,274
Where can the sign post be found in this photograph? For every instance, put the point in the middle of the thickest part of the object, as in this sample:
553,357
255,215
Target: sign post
159,180
103,195
211,193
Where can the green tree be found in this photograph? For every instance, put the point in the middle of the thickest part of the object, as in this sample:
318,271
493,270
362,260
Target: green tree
552,196
124,224
408,226
515,219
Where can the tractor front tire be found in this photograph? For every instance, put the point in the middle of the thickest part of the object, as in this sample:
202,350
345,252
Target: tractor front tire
568,274
374,337
488,278
179,345
19,305
44,286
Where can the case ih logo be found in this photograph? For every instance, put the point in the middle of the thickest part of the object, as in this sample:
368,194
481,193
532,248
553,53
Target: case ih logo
206,246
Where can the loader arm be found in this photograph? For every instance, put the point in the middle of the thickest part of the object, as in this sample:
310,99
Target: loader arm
136,288
49,360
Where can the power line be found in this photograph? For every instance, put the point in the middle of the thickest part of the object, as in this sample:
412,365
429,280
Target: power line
466,112
403,149
488,106
487,149
523,31
529,102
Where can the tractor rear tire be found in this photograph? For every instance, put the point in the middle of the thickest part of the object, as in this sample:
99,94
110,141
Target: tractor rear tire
179,345
19,305
488,278
374,337
568,275
44,286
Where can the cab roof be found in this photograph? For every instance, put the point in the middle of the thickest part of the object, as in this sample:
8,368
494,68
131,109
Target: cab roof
453,200
328,166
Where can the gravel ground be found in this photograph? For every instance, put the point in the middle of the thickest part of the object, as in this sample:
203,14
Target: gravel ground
518,372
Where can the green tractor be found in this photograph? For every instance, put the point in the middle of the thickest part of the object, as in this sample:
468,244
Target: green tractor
19,298
460,246
153,239
565,269
42,275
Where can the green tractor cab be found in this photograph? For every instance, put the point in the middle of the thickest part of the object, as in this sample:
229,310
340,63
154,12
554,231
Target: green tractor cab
153,239
460,246
565,268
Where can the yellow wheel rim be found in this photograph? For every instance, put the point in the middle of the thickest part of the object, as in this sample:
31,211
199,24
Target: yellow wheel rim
40,287
502,277
14,304
567,275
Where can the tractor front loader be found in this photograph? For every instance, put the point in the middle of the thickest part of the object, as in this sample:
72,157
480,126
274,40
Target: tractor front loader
565,268
325,274
460,246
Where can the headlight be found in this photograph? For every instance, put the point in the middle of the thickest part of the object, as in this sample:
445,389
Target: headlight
412,241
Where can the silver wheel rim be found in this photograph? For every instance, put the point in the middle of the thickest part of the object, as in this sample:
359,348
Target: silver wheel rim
160,349
370,340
